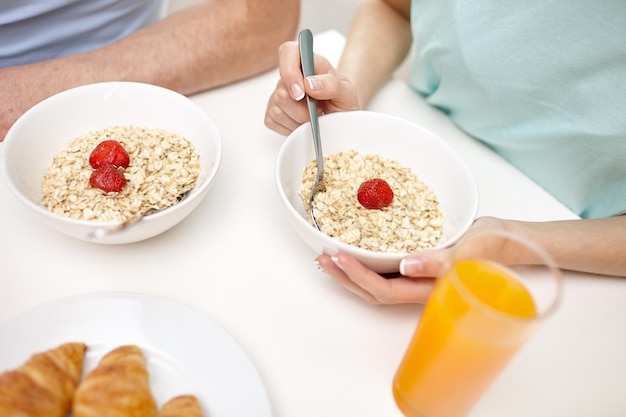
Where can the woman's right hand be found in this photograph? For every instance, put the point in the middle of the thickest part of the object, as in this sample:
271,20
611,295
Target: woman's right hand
286,109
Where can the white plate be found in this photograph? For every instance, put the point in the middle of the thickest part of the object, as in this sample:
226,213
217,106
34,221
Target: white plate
186,352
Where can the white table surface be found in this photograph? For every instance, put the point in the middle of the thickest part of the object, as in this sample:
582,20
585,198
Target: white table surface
320,350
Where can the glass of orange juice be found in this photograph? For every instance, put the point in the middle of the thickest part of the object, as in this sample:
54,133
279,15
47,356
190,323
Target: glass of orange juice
478,316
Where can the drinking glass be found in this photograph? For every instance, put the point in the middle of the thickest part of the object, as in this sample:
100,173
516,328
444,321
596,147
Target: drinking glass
478,316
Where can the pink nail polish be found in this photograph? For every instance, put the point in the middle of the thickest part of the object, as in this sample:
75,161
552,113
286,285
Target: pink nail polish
411,266
296,92
320,267
314,83
336,261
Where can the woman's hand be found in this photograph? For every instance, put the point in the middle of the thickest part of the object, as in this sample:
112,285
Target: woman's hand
414,286
286,110
418,270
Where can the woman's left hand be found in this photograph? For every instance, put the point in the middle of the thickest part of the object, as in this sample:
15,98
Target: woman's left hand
418,270
413,286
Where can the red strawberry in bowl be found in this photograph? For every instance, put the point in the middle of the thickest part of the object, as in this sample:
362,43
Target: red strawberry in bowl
108,178
109,152
375,194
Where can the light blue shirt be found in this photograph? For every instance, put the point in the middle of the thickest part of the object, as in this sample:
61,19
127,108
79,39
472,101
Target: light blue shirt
36,30
542,82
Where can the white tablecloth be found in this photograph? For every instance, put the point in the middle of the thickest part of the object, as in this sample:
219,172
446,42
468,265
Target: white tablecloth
320,350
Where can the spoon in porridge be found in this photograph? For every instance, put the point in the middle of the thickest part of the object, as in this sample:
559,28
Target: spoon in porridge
105,231
305,41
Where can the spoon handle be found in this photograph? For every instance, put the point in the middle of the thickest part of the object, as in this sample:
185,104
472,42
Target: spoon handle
305,41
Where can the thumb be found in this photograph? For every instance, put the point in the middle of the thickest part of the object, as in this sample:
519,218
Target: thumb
333,88
427,263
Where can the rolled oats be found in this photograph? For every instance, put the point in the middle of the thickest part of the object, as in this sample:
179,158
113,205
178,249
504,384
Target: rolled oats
163,165
413,221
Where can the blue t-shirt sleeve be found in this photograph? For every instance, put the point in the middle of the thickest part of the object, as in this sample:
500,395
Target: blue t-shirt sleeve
32,31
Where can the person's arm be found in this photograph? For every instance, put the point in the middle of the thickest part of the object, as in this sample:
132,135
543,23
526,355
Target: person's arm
198,48
378,42
594,246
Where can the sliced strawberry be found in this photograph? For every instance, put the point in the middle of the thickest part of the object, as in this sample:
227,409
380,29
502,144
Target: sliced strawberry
108,178
375,194
109,152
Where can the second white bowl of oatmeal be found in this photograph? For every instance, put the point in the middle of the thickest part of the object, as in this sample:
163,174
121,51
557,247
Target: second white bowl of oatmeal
49,126
428,156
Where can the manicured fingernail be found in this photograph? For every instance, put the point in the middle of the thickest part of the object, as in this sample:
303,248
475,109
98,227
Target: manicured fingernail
296,92
411,266
314,83
320,267
336,261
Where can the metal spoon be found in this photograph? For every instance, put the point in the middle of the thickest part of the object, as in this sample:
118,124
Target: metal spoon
101,232
305,41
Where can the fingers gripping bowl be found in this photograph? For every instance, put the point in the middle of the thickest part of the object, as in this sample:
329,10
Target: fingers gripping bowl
390,140
46,130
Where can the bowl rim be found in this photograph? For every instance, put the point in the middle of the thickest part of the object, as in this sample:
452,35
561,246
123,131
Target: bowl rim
355,250
196,192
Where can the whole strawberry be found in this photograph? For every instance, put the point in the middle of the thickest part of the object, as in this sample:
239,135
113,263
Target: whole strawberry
109,152
375,194
107,178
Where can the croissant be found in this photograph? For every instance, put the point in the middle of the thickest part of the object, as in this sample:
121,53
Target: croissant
44,385
118,386
181,406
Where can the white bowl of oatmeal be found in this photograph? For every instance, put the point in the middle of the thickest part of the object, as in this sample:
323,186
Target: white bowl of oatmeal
435,197
174,148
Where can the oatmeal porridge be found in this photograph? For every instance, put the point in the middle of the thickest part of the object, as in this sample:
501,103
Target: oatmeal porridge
162,166
412,221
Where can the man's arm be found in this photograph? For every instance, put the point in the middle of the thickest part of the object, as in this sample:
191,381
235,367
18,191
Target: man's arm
198,48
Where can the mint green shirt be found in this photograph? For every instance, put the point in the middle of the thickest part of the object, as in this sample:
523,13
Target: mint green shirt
541,82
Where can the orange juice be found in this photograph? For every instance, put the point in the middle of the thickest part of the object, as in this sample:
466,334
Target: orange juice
478,316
